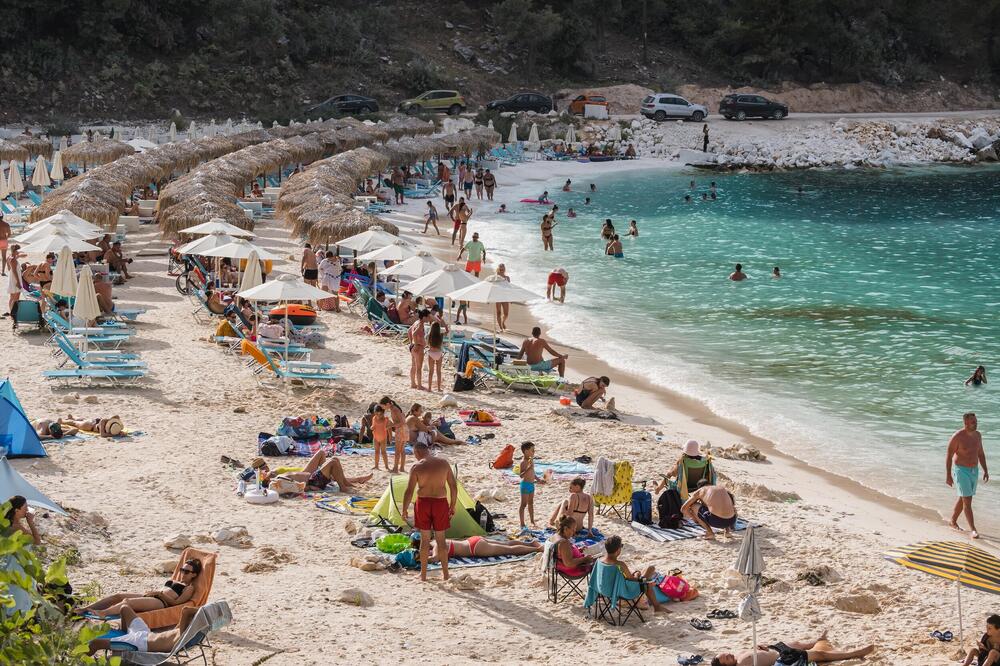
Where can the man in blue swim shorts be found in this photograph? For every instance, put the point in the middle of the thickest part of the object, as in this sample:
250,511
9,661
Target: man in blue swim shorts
965,456
532,348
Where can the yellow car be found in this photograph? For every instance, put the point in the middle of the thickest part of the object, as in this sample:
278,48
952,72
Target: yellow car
448,101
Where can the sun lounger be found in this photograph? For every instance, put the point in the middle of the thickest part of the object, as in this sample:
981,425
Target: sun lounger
95,359
97,336
27,312
191,645
114,376
527,382
35,198
304,371
109,327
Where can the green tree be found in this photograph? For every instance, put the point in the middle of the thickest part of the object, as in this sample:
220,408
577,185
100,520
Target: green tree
530,28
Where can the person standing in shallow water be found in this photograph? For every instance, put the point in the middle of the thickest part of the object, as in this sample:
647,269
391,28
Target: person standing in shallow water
738,275
965,457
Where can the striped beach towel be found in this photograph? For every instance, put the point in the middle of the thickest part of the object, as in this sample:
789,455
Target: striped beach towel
350,506
370,451
687,530
468,562
562,470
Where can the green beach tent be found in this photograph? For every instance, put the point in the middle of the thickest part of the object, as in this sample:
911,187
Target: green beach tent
463,525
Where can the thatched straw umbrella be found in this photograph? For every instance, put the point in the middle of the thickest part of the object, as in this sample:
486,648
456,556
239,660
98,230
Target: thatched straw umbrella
13,151
93,210
36,145
337,226
96,152
186,215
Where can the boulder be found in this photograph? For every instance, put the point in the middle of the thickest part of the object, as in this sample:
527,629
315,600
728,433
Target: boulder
178,542
987,154
866,604
980,138
356,597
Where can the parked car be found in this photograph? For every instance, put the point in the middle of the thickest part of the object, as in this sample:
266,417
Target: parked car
576,106
751,106
661,106
524,101
449,101
343,104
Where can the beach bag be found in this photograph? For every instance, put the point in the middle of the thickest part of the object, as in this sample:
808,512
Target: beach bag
642,507
286,486
668,508
483,516
505,459
674,587
463,384
482,417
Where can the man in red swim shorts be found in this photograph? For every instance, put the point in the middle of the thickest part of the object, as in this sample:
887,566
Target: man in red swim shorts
557,278
437,492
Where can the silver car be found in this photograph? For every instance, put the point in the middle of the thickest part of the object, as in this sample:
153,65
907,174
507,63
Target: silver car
661,106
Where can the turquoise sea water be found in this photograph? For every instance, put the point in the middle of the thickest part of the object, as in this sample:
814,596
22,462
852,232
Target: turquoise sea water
854,360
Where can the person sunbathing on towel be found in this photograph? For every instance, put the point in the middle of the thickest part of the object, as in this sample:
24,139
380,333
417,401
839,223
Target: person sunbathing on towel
174,593
139,636
477,546
49,429
439,437
109,427
795,653
317,474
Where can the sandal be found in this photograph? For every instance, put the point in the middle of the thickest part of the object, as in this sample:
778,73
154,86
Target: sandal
943,636
701,625
584,459
489,435
719,614
674,572
690,661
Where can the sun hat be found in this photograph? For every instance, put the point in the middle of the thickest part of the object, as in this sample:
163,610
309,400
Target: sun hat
692,448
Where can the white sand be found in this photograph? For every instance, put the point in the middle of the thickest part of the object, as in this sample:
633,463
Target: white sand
170,482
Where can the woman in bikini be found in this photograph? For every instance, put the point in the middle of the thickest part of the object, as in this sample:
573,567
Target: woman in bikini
477,546
489,183
570,560
478,180
174,593
502,309
578,505
435,355
397,423
547,225
418,344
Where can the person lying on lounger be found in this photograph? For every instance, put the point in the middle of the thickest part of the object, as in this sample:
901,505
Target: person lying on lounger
138,635
794,653
317,474
477,546
173,593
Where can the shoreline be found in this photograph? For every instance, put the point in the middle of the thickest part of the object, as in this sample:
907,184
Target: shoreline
673,412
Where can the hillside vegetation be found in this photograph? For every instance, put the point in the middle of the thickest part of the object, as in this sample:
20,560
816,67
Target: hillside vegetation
268,59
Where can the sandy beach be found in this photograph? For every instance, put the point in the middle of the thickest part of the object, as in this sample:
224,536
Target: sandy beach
129,497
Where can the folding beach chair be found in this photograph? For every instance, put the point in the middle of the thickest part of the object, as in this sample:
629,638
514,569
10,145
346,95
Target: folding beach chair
619,502
608,592
107,359
562,586
190,647
91,375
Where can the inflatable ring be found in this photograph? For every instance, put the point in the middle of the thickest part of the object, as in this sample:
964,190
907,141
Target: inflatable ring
261,496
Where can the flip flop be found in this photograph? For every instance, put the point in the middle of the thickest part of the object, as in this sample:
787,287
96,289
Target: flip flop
943,636
690,661
701,625
674,572
719,614
584,459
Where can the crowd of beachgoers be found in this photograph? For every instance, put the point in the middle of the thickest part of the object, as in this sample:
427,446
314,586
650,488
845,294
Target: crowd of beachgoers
314,427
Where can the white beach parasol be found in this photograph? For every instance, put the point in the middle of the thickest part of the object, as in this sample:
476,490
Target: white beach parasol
63,143
252,276
570,135
492,290
367,241
750,564
85,307
14,183
55,242
205,243
284,289
422,263
173,132
3,185
533,137
40,178
490,124
396,251
56,172
217,225
512,136
442,282
64,281
240,248
141,145
40,230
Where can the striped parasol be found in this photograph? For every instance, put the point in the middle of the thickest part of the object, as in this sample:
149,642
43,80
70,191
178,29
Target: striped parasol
952,560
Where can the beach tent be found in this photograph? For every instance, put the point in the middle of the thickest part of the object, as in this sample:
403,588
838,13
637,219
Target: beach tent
463,525
17,436
12,483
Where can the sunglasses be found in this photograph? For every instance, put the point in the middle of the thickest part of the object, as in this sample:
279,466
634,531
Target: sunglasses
187,571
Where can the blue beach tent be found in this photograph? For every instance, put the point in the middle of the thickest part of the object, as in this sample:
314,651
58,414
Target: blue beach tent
17,436
12,483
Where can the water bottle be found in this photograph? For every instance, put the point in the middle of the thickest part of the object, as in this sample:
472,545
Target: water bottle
241,489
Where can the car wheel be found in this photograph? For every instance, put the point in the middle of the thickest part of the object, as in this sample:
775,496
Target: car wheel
411,110
741,115
454,110
368,109
659,116
697,116
728,117
778,115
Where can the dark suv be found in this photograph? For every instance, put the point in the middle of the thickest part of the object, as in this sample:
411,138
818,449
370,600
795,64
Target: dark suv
525,101
343,104
751,106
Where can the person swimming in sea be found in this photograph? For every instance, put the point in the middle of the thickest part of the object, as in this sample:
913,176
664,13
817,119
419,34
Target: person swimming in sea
776,272
687,198
800,190
544,198
711,187
568,187
608,230
614,248
586,202
503,208
633,228
738,275
714,196
978,377
692,185
571,213
704,196
593,188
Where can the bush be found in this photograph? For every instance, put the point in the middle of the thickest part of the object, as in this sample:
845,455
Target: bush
43,634
417,76
180,120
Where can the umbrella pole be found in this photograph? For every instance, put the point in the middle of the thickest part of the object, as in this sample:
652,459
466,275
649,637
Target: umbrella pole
287,334
754,646
958,585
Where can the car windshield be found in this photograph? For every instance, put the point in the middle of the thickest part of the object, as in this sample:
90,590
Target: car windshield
647,99
597,98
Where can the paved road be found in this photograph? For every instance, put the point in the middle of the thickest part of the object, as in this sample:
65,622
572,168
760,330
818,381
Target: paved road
816,117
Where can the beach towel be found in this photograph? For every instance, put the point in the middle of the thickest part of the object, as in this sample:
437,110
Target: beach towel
349,449
468,562
350,506
562,470
687,530
302,447
604,477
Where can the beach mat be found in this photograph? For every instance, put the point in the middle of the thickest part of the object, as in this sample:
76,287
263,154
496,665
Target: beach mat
581,539
470,562
349,506
688,530
562,470
370,451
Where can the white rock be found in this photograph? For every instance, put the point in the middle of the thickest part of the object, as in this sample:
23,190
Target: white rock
357,597
178,542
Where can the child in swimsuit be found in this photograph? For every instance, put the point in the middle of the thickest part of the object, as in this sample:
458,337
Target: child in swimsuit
578,505
380,435
527,486
435,355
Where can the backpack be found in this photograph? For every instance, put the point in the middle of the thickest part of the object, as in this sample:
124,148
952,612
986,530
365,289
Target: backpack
668,507
483,516
642,507
269,448
463,383
674,587
505,459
